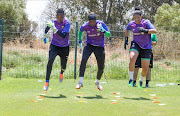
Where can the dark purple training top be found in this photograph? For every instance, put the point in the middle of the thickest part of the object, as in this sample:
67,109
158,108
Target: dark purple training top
141,38
94,37
62,27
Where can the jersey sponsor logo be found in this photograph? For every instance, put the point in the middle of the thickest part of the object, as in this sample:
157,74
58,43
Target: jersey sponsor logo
93,35
142,33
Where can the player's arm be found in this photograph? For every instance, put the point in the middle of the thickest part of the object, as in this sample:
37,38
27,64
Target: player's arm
65,30
104,29
126,35
46,30
107,33
151,29
62,34
80,38
154,43
154,39
126,38
45,34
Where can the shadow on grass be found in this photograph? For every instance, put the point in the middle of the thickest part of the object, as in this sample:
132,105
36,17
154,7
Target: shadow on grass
140,98
145,87
97,97
60,96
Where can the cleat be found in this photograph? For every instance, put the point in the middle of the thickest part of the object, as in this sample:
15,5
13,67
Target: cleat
134,85
79,85
147,85
61,77
98,86
130,83
140,85
45,88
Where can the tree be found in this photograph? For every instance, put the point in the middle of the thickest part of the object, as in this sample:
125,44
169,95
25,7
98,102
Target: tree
149,7
110,11
168,16
16,21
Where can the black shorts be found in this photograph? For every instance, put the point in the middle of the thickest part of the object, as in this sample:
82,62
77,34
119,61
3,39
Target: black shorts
99,53
138,62
144,54
56,50
63,52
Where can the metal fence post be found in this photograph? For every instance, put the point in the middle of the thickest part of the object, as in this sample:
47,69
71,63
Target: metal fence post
1,44
75,59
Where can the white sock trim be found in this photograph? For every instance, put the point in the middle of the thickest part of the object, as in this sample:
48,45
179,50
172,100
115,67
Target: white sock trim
141,78
97,80
81,79
131,73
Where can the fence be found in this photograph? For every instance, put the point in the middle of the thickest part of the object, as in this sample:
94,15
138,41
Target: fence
1,41
26,56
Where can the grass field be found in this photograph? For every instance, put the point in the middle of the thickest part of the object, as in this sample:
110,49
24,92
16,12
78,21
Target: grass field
17,96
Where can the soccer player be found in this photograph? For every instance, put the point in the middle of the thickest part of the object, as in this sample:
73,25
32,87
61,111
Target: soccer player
59,44
96,30
138,64
140,45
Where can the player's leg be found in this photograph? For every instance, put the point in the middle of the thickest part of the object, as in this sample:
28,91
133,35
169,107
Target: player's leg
100,57
134,52
137,66
145,61
135,76
86,53
148,76
64,53
53,51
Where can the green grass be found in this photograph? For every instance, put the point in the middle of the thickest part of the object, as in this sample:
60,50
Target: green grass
16,93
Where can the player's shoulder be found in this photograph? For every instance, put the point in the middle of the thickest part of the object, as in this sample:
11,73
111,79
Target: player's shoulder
99,21
145,21
131,23
66,20
85,24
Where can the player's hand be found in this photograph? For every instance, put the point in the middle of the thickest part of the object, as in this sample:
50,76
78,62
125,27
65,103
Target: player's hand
125,42
100,28
51,25
45,38
142,29
80,47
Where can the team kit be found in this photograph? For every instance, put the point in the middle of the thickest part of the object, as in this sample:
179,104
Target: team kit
141,55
